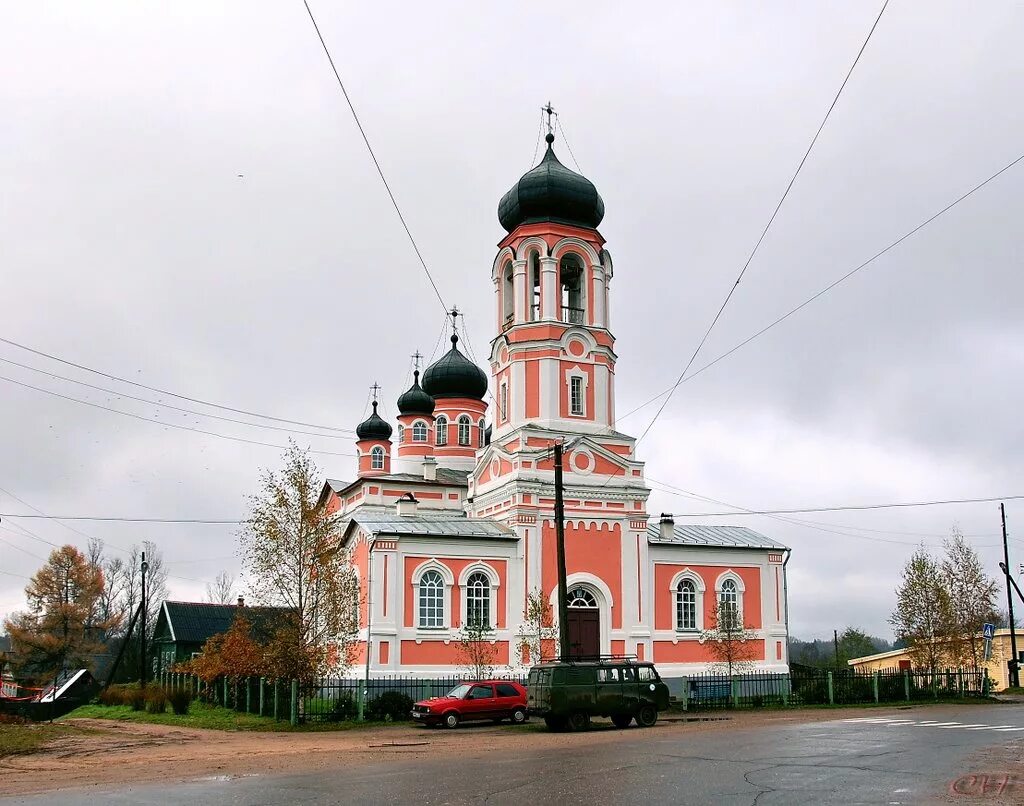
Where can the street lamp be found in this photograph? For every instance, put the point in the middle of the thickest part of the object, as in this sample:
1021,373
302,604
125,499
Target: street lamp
142,630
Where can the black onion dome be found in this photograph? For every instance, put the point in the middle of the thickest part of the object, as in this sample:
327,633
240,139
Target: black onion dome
551,192
373,427
454,375
415,400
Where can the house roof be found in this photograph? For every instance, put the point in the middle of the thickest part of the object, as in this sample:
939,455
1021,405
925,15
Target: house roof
384,520
445,477
195,622
729,537
892,653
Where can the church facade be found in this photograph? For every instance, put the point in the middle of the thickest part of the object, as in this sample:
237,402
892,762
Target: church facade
450,517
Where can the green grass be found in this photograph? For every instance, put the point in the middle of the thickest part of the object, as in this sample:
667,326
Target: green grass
22,739
202,715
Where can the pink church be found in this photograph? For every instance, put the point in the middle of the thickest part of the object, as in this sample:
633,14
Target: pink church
451,519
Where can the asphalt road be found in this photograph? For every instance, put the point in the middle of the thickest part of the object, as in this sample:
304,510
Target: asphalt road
925,755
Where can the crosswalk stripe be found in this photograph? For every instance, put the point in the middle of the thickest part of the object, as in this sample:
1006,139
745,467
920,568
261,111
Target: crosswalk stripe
944,725
1008,730
900,722
990,727
973,725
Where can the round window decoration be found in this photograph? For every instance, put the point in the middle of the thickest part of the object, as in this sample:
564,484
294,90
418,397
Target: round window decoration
495,468
503,355
577,348
582,461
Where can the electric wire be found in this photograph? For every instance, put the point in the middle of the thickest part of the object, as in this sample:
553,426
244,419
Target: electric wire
852,507
764,232
162,422
373,156
136,384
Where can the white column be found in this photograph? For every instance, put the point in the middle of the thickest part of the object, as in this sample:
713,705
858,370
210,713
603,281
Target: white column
599,296
517,401
601,377
549,389
519,290
550,302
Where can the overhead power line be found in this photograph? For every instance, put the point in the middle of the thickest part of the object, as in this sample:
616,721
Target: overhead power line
373,156
138,385
161,422
118,519
850,507
764,232
169,406
829,287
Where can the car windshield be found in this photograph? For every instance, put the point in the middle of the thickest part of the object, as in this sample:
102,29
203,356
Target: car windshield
459,692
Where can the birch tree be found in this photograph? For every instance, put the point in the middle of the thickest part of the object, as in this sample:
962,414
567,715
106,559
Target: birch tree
290,549
972,600
923,615
221,590
732,645
539,628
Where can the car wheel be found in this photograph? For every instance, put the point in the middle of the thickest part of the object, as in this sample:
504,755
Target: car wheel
518,716
451,719
622,720
578,721
647,716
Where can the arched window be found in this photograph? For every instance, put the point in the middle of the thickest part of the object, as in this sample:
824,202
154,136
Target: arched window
481,431
401,434
419,431
465,428
377,458
728,605
581,597
534,285
507,296
478,600
441,430
686,605
570,273
431,600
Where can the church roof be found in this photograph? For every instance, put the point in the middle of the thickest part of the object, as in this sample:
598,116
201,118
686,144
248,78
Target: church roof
414,400
728,537
551,192
374,427
454,375
445,477
440,523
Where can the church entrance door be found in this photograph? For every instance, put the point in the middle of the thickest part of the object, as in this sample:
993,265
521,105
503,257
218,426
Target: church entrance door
584,624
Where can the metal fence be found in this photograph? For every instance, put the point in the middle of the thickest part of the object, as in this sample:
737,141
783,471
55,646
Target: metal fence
391,697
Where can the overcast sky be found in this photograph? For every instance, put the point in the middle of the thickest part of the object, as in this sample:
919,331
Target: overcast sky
129,243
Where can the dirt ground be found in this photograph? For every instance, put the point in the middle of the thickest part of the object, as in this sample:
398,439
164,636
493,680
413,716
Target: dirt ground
115,753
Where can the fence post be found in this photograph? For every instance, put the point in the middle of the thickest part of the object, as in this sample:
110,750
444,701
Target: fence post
295,703
735,691
787,686
248,695
360,700
225,692
906,684
275,699
262,682
874,684
831,690
686,693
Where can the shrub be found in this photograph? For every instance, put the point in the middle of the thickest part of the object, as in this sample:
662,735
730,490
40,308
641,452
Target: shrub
136,698
391,706
156,700
180,700
120,694
343,708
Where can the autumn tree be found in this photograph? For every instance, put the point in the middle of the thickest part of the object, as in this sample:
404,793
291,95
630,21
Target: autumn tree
291,551
61,628
972,600
923,616
221,590
732,645
539,629
233,654
477,651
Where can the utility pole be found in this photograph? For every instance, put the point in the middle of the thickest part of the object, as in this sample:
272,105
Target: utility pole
1014,673
142,626
563,593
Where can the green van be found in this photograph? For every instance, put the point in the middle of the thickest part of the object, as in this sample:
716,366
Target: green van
567,694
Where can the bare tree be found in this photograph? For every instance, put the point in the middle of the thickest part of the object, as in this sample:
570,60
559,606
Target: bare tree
477,651
221,590
972,600
291,554
923,616
539,628
731,644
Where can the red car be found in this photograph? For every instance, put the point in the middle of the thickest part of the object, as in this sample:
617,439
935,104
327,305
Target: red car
487,699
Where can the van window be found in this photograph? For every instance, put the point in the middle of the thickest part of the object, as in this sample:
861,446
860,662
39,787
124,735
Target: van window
628,675
607,675
579,675
646,673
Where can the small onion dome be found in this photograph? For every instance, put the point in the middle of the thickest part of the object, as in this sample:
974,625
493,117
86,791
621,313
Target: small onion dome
454,375
373,427
415,400
551,192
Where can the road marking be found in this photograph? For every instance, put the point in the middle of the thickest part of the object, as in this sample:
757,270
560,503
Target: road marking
972,725
1008,730
900,722
990,727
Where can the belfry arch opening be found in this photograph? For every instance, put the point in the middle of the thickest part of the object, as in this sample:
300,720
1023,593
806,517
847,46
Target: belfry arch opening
533,286
507,295
570,281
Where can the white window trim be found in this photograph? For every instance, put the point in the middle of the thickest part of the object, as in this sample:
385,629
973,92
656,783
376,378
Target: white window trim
495,584
401,434
576,372
503,401
441,431
698,584
426,432
467,421
740,590
376,452
481,434
446,599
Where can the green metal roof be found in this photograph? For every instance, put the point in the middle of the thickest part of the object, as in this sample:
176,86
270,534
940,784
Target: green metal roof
196,622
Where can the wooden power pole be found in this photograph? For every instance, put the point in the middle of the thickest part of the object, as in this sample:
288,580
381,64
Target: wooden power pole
563,593
1014,673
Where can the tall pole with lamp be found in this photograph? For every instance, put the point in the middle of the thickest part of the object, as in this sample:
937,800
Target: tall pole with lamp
142,625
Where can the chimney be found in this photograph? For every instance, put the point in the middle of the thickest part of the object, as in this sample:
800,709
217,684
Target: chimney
667,525
407,505
241,601
429,468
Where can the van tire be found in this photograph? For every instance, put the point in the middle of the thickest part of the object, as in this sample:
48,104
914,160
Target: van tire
556,724
451,720
647,716
579,721
622,720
